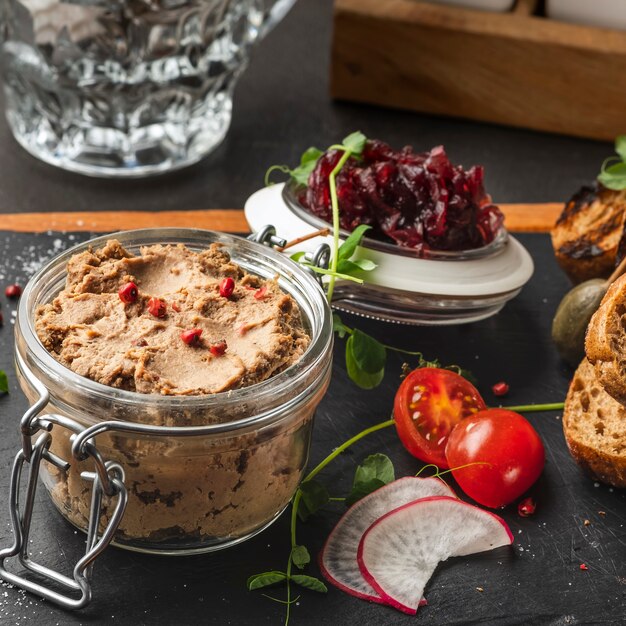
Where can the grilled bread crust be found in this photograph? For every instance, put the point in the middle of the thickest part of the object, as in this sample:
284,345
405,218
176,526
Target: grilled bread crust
594,425
587,235
605,342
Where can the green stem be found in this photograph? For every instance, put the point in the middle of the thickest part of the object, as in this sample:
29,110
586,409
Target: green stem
281,168
321,270
279,600
294,519
288,603
535,408
350,331
609,160
344,446
335,205
403,351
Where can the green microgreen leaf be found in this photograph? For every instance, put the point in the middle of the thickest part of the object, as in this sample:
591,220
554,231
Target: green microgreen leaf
308,160
296,256
375,466
300,556
258,581
366,265
349,246
375,472
355,267
310,155
345,264
614,176
363,489
314,497
309,582
358,376
301,173
355,142
4,382
620,146
613,171
368,354
339,327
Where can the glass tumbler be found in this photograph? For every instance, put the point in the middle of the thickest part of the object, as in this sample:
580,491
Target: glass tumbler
126,88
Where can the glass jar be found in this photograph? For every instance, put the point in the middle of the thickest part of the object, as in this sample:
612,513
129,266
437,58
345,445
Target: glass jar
200,473
126,87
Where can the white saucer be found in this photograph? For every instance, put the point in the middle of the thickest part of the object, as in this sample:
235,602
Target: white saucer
402,288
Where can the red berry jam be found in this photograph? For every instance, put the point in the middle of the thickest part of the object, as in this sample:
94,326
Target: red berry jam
417,200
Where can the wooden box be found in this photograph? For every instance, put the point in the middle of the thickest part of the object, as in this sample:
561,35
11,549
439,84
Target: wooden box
513,68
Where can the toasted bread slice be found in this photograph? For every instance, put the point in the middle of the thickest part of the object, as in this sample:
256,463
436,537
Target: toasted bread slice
588,232
605,342
594,425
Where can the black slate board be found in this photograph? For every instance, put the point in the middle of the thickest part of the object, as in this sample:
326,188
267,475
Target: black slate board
539,581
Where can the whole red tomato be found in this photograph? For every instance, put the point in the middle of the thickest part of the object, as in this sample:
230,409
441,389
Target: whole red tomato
508,453
428,405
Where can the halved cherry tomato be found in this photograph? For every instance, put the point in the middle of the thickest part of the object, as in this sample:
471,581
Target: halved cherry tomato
428,404
507,452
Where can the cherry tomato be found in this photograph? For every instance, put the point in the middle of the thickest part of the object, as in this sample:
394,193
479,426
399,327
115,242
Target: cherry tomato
509,449
428,404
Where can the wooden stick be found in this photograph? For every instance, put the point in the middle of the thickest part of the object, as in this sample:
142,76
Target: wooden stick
232,221
322,232
521,218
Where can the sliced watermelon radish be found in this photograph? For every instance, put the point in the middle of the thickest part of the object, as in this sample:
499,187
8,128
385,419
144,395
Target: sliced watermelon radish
399,552
338,560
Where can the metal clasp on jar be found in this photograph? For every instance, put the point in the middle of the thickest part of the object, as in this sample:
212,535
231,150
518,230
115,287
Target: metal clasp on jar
320,257
108,479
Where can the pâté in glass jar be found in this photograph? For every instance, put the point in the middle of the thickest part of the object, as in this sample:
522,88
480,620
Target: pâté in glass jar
203,396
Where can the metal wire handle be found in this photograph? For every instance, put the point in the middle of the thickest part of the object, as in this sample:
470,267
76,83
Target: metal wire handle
320,257
108,479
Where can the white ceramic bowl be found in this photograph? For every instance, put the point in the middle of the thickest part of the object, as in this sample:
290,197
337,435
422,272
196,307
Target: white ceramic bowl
407,289
603,13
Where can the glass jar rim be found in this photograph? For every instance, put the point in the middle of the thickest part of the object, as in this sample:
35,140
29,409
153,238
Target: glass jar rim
318,317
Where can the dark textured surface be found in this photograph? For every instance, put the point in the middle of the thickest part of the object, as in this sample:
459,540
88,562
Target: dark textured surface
282,107
538,582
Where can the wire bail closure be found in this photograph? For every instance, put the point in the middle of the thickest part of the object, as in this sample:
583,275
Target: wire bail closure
320,257
107,480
